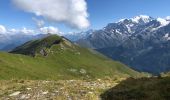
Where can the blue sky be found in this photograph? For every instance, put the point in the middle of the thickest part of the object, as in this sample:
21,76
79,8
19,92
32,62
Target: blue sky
101,12
105,11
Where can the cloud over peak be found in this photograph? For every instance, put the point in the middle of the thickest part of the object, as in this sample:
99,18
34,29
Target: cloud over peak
50,29
39,23
71,12
2,29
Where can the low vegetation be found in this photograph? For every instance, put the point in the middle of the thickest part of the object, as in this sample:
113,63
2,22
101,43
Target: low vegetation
55,90
156,88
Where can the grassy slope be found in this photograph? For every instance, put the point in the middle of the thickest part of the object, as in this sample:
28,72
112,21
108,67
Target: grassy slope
64,61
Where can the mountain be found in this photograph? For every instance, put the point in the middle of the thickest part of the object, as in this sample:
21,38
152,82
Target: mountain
13,40
73,36
55,57
141,42
114,33
10,41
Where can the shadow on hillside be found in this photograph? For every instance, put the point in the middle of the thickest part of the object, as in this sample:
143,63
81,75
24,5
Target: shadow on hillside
140,89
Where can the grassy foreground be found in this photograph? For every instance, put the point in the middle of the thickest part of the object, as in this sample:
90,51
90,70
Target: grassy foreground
55,90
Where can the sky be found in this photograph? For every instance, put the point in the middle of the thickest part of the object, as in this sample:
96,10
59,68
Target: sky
81,15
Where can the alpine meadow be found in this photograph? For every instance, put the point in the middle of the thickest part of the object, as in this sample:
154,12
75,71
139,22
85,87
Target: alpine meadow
84,50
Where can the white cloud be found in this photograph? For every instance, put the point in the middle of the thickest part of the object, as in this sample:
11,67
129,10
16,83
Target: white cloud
40,23
2,29
72,12
26,31
50,29
21,31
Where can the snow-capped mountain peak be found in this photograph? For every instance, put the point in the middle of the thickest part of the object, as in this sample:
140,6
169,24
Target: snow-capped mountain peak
142,18
163,22
121,20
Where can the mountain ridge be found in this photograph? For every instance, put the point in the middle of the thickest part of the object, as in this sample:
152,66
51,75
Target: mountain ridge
59,60
127,39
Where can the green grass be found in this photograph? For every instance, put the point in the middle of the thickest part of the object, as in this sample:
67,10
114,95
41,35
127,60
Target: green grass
64,61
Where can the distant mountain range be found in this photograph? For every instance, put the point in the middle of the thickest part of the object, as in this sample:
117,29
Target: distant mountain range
73,36
10,41
142,42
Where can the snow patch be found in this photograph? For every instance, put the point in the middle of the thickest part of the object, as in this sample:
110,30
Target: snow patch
167,36
129,28
117,31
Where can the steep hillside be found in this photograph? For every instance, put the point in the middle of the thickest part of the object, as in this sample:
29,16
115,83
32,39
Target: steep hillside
153,59
57,58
